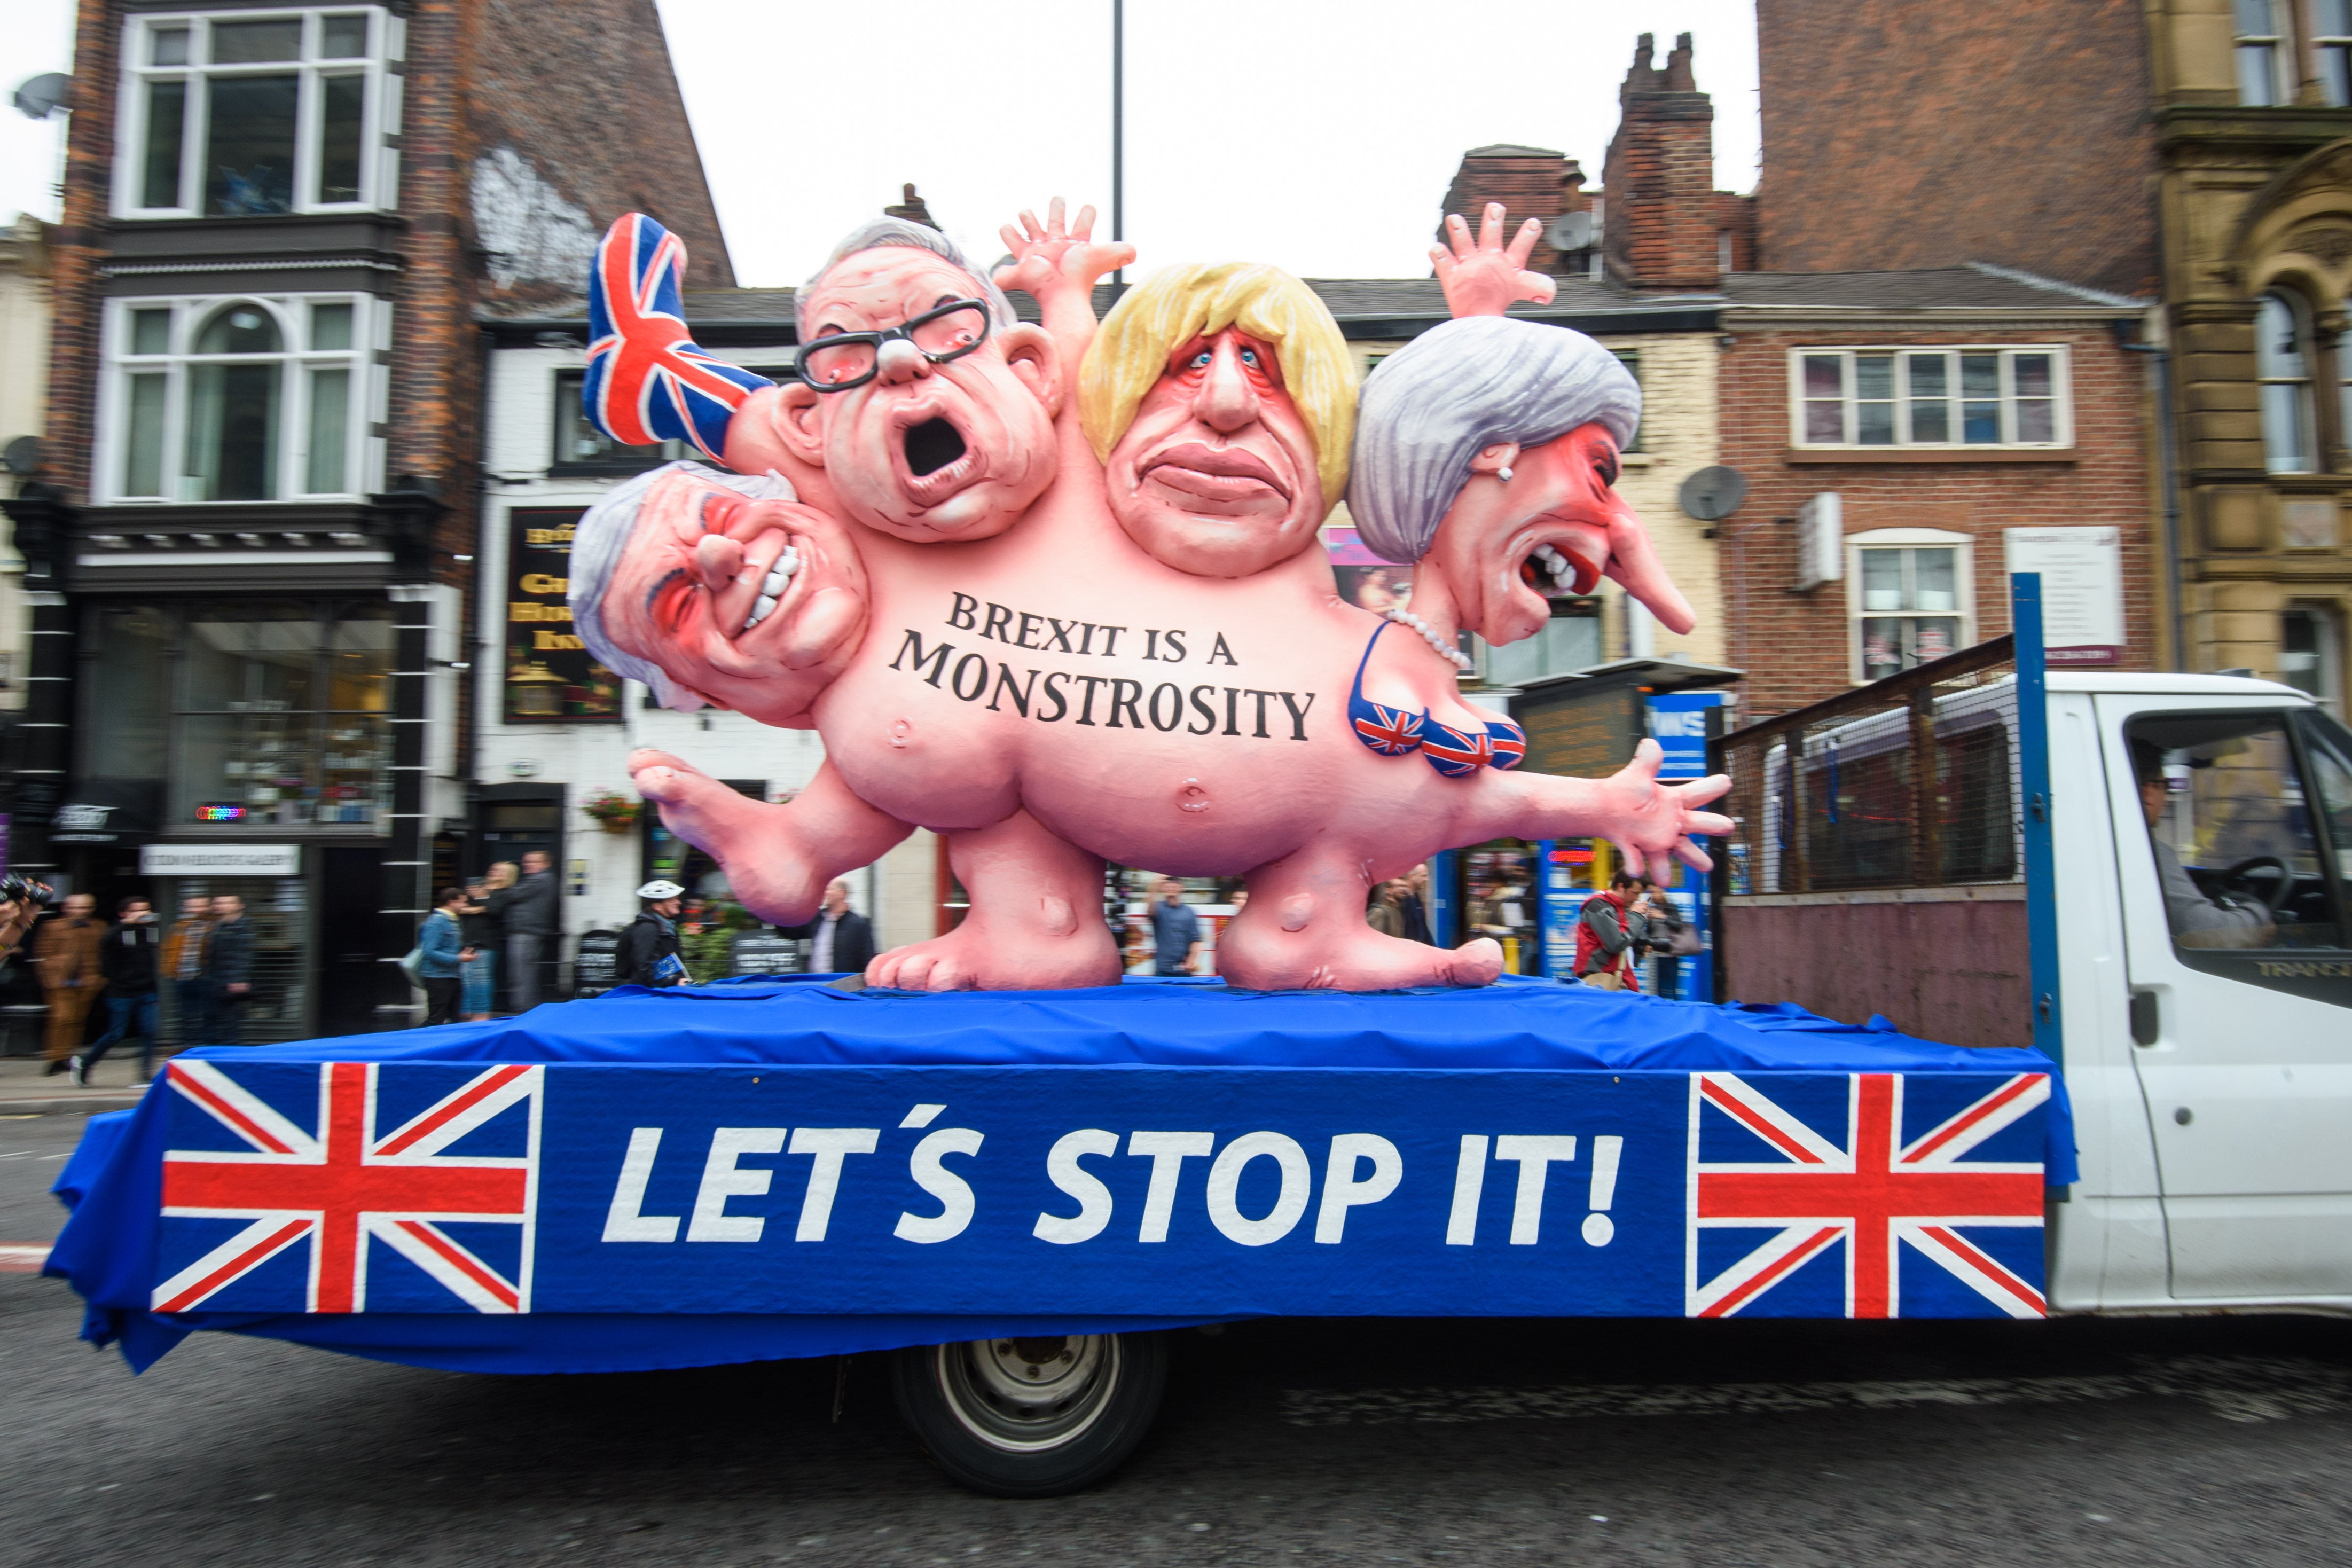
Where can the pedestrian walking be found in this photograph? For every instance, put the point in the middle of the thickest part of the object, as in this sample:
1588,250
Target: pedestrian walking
1608,936
648,949
127,959
528,911
1668,939
1175,930
184,952
65,951
484,934
443,954
1413,908
229,968
841,940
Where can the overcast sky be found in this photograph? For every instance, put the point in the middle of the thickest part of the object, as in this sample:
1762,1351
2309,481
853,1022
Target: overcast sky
1320,136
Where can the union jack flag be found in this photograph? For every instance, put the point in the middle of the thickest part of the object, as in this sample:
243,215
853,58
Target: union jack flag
343,1184
1455,753
646,380
1508,742
1877,1195
1390,732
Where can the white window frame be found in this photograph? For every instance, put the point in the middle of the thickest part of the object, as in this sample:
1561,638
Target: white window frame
363,450
380,117
2331,51
2277,44
1964,589
2062,396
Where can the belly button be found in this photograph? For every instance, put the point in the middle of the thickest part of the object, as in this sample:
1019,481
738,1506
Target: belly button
1192,797
902,731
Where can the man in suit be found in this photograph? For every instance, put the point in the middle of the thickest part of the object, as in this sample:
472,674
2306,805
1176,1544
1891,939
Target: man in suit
529,912
844,938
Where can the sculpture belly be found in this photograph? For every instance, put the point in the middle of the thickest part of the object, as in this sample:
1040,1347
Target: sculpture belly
1213,747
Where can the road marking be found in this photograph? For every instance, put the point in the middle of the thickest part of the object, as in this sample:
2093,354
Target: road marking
2235,1388
23,1256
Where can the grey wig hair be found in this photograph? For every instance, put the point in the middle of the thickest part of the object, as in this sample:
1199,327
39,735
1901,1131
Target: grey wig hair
1432,406
891,231
600,540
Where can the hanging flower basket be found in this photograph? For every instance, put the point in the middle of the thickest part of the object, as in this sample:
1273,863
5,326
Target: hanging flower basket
615,813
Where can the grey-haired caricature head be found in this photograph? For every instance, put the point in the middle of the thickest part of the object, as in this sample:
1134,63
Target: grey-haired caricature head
1492,446
717,589
946,434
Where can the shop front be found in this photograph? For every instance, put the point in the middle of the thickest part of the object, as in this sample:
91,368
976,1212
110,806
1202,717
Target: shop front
246,746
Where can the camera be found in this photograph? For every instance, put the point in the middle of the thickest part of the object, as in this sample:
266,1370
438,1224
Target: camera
25,890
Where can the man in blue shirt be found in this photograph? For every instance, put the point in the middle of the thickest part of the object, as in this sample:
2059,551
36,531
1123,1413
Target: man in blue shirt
1175,931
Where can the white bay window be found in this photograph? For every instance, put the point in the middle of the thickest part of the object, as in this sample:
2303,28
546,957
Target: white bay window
252,399
248,113
1930,397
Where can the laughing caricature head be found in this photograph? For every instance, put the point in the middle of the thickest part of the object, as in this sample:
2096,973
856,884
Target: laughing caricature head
1220,399
932,414
1489,445
712,588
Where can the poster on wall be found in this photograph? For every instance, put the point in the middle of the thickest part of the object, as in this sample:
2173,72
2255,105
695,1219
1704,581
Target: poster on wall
551,678
2081,591
1365,580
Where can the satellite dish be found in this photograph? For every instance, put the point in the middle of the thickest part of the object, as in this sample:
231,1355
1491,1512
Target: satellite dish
23,455
1713,494
1569,231
43,95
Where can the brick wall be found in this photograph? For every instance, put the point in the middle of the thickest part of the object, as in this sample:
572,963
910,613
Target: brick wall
79,244
1906,134
1660,177
1795,646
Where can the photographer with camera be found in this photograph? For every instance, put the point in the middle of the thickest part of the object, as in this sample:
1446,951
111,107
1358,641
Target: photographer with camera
22,901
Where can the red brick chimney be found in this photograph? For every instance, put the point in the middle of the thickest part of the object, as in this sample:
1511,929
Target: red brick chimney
1530,181
1663,218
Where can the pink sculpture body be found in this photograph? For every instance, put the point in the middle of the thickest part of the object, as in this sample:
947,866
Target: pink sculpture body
1059,597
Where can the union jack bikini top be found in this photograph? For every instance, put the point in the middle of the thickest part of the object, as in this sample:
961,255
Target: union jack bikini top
1394,732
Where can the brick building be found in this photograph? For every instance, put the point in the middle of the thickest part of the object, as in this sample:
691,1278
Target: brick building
1857,387
251,552
1904,134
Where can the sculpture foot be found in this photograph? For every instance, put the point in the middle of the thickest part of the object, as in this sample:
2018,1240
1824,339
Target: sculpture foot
973,957
777,859
1361,960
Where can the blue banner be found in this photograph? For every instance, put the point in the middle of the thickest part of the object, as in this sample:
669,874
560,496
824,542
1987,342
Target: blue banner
309,1191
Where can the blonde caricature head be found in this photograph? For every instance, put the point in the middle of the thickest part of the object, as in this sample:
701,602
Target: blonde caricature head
1177,305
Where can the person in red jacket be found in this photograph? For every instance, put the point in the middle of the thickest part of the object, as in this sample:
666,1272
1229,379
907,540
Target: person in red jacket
1609,935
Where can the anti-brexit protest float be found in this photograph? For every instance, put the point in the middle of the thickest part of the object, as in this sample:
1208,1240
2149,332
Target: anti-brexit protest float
1053,591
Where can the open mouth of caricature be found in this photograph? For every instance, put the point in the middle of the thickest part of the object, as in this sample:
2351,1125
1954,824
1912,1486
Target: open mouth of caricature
934,456
1561,559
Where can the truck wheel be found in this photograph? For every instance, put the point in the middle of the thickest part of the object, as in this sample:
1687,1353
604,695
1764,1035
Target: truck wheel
1034,1416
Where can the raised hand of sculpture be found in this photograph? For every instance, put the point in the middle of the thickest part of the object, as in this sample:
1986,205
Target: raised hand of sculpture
1484,276
1142,657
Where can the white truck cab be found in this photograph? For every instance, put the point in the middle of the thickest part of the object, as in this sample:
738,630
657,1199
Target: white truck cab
2202,830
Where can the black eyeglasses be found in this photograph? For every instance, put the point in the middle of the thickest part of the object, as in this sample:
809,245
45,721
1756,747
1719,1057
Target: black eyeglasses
845,360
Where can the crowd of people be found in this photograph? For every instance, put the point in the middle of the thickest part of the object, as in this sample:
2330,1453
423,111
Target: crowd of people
511,913
205,957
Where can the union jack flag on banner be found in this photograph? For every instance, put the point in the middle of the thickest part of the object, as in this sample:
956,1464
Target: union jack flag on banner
427,1175
1787,1219
646,381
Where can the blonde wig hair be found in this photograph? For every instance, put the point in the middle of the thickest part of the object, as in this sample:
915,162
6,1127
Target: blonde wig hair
1130,353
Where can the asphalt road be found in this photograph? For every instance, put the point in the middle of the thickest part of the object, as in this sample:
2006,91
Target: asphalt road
2193,1441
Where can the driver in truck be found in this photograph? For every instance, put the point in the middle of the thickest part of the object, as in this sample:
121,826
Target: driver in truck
2196,920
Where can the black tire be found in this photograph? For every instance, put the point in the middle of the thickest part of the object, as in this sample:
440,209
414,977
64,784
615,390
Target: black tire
1033,1416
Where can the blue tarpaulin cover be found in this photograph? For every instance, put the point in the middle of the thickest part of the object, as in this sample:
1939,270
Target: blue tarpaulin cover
774,1168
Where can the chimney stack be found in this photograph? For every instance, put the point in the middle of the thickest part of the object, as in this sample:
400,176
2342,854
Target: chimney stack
1663,223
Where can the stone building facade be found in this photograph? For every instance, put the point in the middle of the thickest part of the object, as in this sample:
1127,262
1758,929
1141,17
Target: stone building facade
253,548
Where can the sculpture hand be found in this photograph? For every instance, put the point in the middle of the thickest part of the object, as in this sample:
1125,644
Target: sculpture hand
1649,821
1058,261
1483,277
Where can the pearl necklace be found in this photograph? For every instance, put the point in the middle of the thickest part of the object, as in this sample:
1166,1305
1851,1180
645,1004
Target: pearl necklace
1445,650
